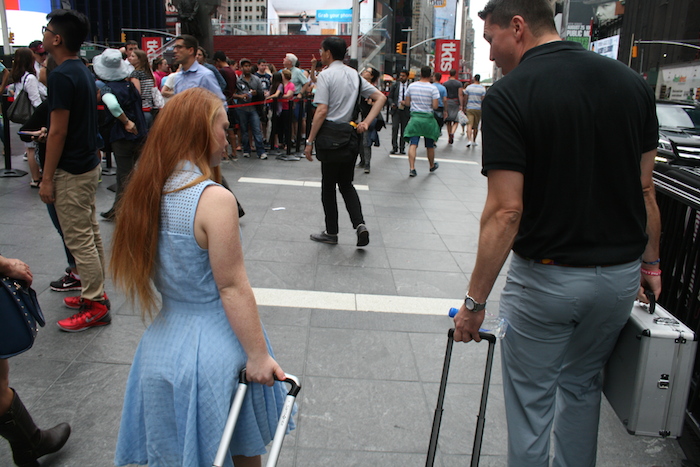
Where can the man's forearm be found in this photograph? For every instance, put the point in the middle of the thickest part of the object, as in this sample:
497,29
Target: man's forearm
379,100
651,252
500,221
54,149
498,231
319,117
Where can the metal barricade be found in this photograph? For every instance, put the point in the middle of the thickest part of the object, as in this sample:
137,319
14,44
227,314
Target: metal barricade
678,197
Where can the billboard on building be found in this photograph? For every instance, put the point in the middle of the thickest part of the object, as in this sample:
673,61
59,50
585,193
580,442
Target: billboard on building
607,47
25,19
445,19
579,25
337,16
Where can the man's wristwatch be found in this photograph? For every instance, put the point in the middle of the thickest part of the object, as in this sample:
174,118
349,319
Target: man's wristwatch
472,305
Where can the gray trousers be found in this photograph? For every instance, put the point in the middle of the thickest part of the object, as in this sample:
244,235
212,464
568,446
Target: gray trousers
563,325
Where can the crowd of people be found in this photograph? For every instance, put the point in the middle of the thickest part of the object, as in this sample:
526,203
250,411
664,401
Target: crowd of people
577,253
67,133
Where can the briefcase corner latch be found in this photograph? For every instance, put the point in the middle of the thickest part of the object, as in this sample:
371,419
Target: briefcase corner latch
663,382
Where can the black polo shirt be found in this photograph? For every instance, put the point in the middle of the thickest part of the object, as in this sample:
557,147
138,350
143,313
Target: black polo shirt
575,124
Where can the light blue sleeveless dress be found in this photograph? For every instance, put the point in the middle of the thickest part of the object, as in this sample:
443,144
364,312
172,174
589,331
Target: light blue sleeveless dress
186,367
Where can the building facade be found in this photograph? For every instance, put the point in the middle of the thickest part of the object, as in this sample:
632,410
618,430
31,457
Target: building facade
108,17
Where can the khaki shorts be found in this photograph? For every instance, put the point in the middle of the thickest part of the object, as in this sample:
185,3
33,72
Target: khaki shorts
474,116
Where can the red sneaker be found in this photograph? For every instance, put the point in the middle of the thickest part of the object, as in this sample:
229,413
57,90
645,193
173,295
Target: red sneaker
75,302
91,314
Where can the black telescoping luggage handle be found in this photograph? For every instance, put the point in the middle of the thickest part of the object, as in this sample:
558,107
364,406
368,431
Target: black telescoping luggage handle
484,335
481,417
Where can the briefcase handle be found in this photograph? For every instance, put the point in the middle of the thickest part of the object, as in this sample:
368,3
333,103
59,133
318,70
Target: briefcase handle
652,300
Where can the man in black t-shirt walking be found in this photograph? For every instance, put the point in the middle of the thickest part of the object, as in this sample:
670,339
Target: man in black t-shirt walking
72,168
570,190
454,104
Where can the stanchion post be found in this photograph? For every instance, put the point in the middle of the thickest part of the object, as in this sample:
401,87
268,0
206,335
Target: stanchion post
300,122
8,171
288,128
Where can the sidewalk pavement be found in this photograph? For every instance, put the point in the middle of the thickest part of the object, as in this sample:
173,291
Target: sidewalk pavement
364,329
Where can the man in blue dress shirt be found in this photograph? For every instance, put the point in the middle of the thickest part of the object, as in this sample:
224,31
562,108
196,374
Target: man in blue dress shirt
193,73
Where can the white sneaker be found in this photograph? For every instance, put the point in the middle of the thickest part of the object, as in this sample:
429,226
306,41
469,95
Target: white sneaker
246,154
469,144
475,143
263,156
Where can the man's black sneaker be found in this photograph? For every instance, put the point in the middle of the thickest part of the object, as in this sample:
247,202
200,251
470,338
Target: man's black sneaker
108,215
434,167
66,283
362,235
324,237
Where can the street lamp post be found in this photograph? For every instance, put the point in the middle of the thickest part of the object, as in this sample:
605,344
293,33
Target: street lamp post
355,31
408,49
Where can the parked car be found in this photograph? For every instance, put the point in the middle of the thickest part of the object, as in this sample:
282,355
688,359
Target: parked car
679,133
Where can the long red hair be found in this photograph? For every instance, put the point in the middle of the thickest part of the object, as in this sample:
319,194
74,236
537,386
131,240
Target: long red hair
183,131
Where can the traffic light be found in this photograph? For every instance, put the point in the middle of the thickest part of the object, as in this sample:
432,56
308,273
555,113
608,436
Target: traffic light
401,47
123,37
12,38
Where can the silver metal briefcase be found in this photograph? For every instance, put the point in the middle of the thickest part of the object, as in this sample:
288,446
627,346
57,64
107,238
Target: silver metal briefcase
647,378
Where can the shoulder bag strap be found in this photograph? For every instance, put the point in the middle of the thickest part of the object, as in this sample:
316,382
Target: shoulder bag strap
356,113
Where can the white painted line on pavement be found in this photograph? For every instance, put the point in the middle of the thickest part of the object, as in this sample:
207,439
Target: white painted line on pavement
280,181
456,161
354,302
271,181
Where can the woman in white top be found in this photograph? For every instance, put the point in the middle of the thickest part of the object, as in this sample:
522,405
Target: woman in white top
24,77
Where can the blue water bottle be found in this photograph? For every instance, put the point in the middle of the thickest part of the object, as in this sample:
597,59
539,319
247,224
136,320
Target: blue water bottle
495,325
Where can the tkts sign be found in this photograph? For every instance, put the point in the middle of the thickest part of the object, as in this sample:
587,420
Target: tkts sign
446,55
152,46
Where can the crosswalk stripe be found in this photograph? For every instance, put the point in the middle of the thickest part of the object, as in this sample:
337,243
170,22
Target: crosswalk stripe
456,161
353,302
279,181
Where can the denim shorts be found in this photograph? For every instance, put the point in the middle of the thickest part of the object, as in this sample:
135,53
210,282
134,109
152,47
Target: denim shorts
429,143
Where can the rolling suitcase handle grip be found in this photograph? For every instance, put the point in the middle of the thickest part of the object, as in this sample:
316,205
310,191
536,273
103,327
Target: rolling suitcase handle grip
294,388
481,417
484,335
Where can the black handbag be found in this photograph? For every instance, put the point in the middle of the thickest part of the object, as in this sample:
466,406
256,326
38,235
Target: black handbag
339,142
19,315
21,108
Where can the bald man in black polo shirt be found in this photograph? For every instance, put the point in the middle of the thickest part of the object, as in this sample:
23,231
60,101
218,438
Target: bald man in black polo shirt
569,144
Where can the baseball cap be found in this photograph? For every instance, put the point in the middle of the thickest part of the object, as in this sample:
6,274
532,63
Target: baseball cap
37,47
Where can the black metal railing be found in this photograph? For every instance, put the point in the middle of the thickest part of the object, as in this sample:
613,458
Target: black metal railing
678,197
